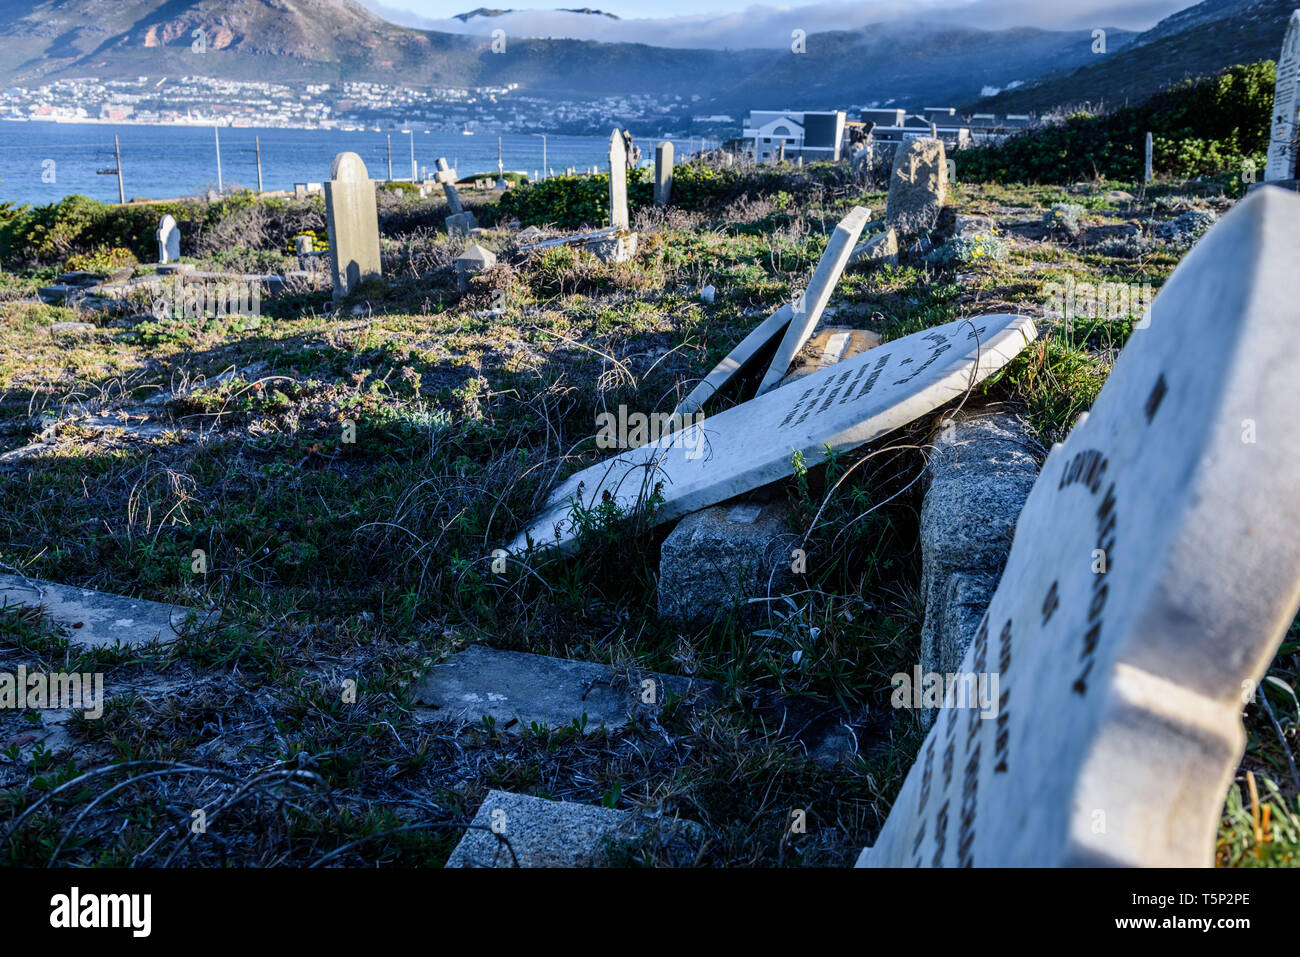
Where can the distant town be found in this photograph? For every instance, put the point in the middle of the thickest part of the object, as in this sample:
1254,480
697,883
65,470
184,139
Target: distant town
205,101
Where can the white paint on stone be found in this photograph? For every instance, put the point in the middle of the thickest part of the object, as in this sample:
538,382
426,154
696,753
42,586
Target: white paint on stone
1119,716
748,446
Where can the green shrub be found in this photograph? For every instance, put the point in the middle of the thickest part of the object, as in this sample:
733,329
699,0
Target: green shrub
101,260
969,250
1215,127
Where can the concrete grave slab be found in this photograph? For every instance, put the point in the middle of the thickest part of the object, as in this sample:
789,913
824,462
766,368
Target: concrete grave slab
751,445
546,833
96,619
516,690
1154,571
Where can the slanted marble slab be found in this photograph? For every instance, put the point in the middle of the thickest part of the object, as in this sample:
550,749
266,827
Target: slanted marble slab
808,308
1281,163
546,833
516,690
1120,694
736,360
617,181
753,444
96,619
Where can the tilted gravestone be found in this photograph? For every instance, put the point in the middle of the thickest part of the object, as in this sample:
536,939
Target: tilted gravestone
617,181
918,186
460,222
169,240
1286,102
809,307
474,260
835,410
352,217
1154,571
663,173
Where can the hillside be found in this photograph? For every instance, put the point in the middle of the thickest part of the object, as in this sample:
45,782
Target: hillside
338,40
1196,42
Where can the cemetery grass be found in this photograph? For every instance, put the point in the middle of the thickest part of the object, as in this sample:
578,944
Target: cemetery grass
366,561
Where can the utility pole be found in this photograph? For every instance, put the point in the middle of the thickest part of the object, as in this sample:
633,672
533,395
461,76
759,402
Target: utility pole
257,143
220,186
415,174
390,157
117,153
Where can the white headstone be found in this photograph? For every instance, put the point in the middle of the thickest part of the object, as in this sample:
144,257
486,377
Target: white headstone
617,181
169,240
1286,103
752,444
353,220
808,308
1154,569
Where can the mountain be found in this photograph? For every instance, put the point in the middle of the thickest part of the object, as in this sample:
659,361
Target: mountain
331,41
1198,41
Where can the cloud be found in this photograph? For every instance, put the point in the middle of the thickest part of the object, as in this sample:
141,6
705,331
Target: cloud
761,26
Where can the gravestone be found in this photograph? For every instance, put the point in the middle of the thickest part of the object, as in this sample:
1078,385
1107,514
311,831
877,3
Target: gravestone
663,173
617,181
169,240
544,833
460,222
918,186
473,261
736,360
516,690
352,217
751,445
95,619
1147,167
808,308
881,248
1281,164
1154,571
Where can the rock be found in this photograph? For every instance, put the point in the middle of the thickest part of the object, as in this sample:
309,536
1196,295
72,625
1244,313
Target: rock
918,186
980,473
615,247
517,690
724,556
545,833
708,293
972,226
72,327
881,248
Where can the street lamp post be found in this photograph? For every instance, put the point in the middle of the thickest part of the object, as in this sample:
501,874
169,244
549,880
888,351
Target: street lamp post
545,168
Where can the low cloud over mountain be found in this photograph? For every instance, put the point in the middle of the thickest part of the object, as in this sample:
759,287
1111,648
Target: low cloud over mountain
769,27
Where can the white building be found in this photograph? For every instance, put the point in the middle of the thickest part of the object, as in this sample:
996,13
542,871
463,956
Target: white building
814,135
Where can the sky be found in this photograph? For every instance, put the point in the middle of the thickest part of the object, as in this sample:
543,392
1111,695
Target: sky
742,23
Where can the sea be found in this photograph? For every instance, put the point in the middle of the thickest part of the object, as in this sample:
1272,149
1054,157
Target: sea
41,162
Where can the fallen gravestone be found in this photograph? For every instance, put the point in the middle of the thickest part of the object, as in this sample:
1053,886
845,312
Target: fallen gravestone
918,186
753,444
808,307
95,619
459,221
1155,569
516,690
543,833
353,220
169,240
829,346
663,172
